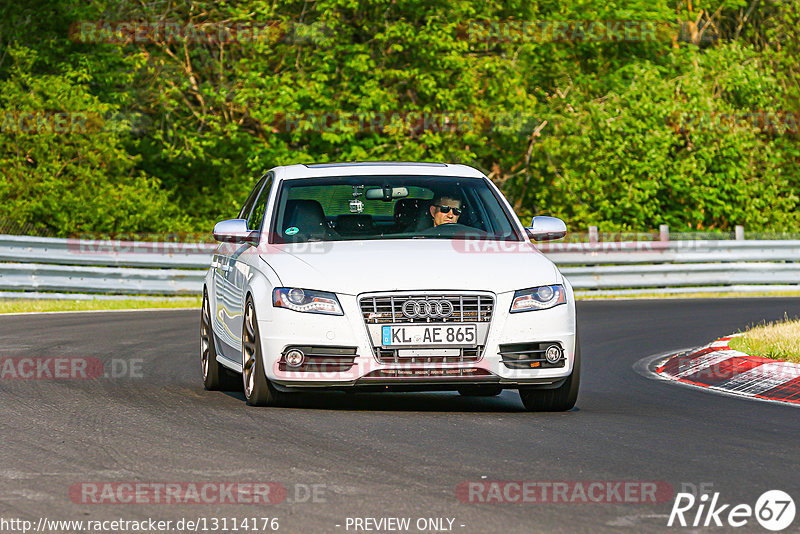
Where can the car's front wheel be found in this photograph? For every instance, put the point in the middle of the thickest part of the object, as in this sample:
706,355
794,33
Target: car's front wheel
558,399
258,391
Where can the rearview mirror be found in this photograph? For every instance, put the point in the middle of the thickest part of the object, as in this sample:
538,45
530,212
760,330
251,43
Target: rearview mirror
546,229
235,231
387,193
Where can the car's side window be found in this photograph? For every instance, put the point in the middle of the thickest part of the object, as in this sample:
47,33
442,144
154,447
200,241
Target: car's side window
251,198
257,215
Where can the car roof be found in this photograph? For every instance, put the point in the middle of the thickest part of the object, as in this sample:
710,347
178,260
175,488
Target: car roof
372,168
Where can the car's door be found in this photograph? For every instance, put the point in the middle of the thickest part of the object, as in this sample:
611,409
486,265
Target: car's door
243,258
227,301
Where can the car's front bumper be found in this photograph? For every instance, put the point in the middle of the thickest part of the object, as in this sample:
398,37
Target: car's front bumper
290,329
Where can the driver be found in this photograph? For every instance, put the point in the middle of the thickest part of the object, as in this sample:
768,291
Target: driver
445,209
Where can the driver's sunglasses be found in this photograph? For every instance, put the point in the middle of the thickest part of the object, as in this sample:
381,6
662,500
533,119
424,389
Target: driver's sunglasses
446,209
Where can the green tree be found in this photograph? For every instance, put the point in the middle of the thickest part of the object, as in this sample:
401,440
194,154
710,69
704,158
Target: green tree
603,132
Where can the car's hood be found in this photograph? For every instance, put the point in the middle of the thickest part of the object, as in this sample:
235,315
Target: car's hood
354,267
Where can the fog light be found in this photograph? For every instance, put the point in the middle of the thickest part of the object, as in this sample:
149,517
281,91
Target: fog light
295,358
553,354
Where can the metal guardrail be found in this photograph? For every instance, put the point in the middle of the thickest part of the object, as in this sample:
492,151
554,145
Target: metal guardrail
38,265
632,252
682,275
79,278
14,248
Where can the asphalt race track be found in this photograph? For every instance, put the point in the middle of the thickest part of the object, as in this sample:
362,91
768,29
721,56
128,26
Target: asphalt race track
385,455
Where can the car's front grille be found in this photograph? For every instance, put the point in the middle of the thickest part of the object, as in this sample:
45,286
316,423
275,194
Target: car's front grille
472,354
384,309
389,308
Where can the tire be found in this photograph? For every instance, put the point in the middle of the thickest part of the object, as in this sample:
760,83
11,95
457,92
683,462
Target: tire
480,391
258,391
559,399
215,376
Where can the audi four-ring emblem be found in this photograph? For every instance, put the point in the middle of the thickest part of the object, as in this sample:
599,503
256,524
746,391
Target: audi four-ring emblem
424,309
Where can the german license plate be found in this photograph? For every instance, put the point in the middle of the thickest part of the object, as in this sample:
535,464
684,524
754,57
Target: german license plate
464,335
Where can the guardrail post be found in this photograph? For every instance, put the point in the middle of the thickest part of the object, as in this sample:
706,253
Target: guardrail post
739,232
663,233
593,235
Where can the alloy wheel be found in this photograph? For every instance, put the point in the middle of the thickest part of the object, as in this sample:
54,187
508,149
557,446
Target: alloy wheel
249,350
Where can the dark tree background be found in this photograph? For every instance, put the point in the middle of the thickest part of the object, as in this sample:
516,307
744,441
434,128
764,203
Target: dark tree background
624,134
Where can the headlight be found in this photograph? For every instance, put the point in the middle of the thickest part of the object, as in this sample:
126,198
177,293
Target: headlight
305,300
538,298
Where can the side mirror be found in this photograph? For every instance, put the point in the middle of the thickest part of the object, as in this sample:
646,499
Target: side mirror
546,229
235,231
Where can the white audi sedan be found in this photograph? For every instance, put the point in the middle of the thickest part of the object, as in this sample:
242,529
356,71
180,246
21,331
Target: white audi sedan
387,276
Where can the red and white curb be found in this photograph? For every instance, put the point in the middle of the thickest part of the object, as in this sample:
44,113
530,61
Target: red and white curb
719,367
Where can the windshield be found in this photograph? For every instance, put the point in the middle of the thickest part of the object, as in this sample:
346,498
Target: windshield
389,207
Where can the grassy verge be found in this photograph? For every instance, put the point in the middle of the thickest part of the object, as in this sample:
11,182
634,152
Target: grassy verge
44,305
707,295
778,340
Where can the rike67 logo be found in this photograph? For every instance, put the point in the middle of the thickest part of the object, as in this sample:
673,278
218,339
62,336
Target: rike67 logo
774,510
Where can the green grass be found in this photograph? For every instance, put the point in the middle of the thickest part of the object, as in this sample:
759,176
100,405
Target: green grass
778,340
49,305
705,295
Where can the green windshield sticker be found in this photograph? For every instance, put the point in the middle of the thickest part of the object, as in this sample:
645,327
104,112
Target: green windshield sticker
292,230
